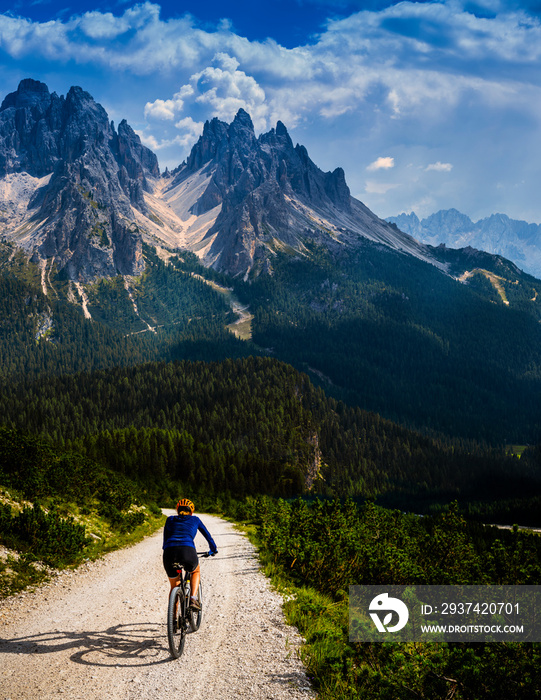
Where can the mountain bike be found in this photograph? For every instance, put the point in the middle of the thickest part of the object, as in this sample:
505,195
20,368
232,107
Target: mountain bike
180,615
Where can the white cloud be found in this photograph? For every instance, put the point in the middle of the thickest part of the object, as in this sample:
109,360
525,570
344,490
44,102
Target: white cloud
221,89
372,187
190,131
401,78
225,89
410,57
168,109
440,167
98,25
382,163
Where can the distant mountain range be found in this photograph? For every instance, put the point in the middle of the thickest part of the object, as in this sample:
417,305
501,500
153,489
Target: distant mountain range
516,240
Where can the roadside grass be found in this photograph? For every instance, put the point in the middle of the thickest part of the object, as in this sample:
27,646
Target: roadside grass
22,567
322,622
18,572
338,668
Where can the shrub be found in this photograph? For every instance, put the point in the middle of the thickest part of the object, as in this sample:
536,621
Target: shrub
55,540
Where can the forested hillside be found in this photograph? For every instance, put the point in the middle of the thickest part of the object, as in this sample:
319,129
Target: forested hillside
178,316
251,426
376,328
394,335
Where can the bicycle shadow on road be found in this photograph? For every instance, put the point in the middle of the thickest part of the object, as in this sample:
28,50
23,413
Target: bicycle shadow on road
121,645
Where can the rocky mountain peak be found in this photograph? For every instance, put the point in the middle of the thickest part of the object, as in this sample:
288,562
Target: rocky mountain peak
241,121
206,148
450,219
30,93
278,138
30,121
82,216
78,191
281,129
139,162
255,194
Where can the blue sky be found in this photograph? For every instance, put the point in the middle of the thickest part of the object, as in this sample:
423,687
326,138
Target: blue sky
426,105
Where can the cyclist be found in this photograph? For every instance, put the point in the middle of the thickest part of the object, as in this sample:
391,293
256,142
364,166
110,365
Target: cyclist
179,547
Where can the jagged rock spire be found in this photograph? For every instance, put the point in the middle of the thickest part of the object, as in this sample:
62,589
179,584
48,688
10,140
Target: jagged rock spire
84,211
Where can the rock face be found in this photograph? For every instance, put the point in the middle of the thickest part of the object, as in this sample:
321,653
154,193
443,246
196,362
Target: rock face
496,234
88,179
76,190
264,194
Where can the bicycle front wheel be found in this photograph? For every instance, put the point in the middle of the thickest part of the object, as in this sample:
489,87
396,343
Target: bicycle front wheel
176,627
196,615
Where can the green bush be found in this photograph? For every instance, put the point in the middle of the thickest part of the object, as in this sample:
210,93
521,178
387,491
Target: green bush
322,548
56,541
123,522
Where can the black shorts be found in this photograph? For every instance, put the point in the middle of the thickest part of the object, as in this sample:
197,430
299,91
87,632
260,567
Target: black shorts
185,556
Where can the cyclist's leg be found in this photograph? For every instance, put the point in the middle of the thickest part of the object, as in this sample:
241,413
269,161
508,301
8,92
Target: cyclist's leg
196,577
190,561
170,557
174,582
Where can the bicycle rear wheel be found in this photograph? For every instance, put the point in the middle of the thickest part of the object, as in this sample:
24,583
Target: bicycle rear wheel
176,626
196,615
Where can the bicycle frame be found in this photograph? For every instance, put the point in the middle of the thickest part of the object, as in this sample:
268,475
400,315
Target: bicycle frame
180,615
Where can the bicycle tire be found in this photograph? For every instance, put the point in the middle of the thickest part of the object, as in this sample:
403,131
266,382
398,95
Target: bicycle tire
196,616
176,625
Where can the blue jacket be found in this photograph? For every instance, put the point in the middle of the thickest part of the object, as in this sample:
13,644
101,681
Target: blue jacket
180,531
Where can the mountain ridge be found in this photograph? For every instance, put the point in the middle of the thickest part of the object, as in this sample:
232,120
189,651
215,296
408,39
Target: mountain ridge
239,198
431,337
86,195
498,234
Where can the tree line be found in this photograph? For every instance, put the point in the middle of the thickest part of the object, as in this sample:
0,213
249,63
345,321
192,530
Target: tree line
254,425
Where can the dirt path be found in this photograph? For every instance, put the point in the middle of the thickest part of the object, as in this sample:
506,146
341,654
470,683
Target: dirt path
100,632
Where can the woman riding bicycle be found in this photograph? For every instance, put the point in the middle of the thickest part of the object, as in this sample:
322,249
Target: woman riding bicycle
179,547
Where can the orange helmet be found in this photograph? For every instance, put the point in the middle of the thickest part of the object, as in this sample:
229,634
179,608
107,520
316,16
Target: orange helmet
185,504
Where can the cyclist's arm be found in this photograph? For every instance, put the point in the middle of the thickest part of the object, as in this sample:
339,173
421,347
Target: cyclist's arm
206,534
166,530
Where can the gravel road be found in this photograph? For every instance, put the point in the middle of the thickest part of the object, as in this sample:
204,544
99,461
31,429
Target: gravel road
99,632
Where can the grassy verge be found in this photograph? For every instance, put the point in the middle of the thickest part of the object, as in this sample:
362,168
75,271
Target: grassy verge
36,538
58,508
321,620
303,550
18,572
